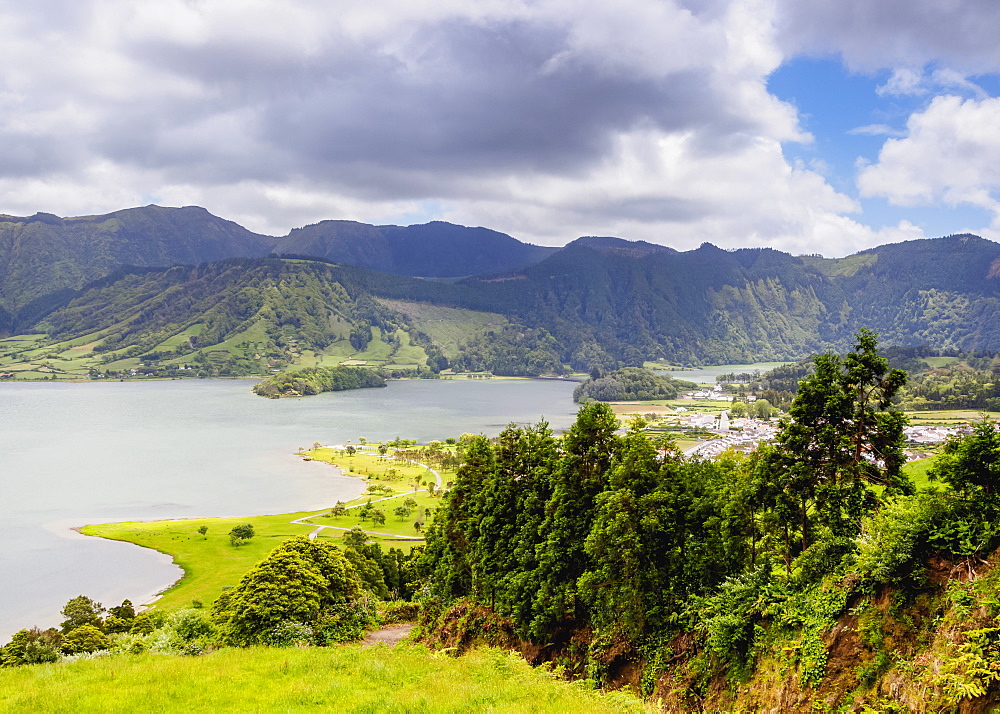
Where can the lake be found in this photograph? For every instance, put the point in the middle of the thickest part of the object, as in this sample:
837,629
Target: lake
72,454
707,375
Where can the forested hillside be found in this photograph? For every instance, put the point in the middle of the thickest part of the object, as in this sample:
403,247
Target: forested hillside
943,292
598,303
808,576
43,255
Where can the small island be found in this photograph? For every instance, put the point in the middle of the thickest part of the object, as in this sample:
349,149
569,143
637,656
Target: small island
314,380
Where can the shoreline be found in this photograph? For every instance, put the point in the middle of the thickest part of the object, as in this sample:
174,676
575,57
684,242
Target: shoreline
74,530
201,565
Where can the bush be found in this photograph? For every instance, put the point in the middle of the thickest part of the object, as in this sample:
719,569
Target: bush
191,624
393,612
299,580
288,634
85,638
823,557
142,624
114,625
895,540
345,623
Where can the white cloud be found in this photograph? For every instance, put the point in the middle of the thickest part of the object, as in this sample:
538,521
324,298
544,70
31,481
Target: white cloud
950,156
904,81
876,130
548,119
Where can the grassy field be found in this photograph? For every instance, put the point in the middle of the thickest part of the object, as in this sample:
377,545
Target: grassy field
407,678
446,326
947,417
917,471
211,562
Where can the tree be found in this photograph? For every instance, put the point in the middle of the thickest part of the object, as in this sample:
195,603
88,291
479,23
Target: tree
761,409
378,516
203,530
85,638
244,531
590,446
125,611
402,512
32,646
339,510
355,538
80,611
239,535
971,464
42,646
293,584
842,439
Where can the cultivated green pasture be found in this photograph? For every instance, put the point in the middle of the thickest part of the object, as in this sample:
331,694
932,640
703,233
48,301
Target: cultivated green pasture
351,678
947,417
917,471
446,326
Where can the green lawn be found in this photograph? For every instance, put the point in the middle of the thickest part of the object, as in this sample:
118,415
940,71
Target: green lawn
211,562
917,471
352,678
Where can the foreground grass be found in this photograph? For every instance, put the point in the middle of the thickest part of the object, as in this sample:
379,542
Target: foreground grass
407,678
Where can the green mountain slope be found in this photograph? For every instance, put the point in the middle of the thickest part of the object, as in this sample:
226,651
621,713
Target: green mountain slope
239,316
43,254
701,305
944,292
598,302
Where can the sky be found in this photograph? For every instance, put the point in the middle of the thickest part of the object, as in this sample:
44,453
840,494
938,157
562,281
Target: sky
810,126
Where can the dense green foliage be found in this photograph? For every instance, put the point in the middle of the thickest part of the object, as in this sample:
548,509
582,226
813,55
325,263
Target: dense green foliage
618,537
43,255
511,351
314,380
303,589
599,529
629,384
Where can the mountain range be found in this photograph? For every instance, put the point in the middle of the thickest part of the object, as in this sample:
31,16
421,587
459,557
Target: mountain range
169,286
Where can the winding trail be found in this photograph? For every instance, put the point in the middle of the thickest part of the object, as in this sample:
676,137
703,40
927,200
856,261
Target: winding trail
390,635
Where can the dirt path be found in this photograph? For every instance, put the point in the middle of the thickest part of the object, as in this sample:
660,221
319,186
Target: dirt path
390,635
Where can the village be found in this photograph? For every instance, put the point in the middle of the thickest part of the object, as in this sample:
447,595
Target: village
722,433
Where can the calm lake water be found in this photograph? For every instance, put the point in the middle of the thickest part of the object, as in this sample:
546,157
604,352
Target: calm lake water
72,454
707,375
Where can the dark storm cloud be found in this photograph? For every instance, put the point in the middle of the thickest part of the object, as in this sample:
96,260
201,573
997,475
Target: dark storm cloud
465,98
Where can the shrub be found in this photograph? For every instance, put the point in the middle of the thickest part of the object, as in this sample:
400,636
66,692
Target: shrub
191,624
295,583
85,638
142,625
